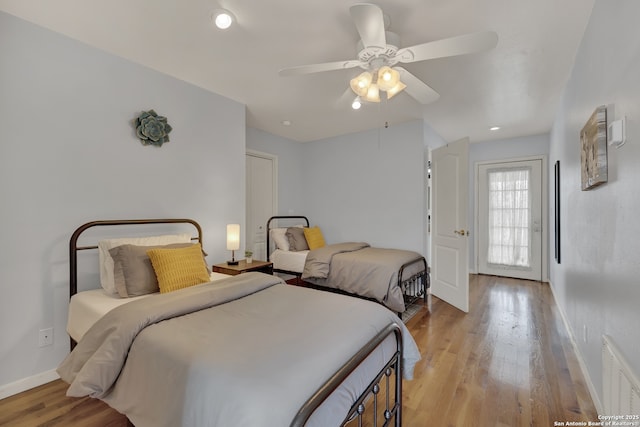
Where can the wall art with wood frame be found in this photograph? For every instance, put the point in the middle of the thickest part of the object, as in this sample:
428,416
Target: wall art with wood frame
593,155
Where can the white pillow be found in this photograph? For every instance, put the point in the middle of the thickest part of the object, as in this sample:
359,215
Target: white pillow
280,238
106,261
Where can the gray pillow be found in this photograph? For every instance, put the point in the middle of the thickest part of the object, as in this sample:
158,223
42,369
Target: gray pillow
132,270
297,241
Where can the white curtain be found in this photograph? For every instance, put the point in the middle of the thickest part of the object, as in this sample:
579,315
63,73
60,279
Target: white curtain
509,217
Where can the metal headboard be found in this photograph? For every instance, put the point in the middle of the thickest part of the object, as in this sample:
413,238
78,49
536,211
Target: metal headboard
280,217
74,248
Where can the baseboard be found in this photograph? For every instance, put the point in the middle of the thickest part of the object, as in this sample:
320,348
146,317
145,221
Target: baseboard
28,383
576,350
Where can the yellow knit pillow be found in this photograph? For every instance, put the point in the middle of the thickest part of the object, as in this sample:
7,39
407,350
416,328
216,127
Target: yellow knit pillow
314,237
178,268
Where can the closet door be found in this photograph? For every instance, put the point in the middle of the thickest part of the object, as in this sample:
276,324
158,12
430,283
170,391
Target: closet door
261,200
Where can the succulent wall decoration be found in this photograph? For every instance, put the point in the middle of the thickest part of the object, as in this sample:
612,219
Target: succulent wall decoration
152,129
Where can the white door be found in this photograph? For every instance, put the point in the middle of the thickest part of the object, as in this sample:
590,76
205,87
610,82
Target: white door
261,200
450,252
510,219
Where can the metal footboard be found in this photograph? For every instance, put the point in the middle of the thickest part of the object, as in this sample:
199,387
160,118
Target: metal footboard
415,286
393,406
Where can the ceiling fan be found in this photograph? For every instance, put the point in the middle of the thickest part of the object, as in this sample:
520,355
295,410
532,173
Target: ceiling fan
379,53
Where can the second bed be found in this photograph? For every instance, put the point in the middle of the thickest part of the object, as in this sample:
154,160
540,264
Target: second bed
392,277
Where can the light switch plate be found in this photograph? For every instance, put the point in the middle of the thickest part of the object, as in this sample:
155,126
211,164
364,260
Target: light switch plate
616,133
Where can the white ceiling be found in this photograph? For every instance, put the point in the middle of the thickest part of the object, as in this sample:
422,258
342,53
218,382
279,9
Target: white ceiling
516,86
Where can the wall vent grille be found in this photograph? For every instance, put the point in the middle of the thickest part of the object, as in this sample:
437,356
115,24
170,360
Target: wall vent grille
621,386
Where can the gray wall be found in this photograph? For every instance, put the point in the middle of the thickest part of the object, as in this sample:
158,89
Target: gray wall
69,154
596,285
369,186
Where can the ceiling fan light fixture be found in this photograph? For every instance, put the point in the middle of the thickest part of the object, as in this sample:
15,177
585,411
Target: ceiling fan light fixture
222,18
379,55
360,84
387,78
396,90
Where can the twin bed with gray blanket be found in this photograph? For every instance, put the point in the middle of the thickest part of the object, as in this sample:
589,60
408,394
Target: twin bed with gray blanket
392,277
247,350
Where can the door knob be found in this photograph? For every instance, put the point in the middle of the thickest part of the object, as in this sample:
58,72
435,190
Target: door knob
461,232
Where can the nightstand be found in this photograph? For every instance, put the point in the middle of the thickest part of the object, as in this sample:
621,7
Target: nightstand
243,267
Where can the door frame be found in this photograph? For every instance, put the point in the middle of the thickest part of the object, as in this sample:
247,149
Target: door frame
544,201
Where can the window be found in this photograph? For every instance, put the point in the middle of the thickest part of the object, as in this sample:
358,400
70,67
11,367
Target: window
509,217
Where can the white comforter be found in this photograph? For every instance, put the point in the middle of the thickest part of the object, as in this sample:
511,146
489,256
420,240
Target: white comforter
244,351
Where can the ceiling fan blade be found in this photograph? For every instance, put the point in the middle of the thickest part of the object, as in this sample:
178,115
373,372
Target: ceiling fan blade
318,68
460,45
416,88
369,22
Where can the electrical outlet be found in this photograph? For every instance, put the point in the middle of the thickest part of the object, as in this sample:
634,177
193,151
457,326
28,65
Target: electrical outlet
45,337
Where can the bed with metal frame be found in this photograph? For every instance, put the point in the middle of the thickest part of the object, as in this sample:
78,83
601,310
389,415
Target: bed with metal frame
382,396
414,286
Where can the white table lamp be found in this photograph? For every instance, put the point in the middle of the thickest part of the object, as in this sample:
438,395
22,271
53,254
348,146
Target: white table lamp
233,241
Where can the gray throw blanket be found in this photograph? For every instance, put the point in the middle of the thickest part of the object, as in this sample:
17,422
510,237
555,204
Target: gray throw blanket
318,262
359,269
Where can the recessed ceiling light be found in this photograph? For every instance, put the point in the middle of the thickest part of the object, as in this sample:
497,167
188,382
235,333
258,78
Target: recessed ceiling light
495,128
286,123
222,18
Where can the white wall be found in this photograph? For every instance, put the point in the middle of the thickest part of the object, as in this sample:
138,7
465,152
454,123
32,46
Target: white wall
500,149
69,154
596,286
369,186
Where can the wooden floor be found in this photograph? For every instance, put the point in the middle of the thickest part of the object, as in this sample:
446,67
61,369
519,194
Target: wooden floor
508,362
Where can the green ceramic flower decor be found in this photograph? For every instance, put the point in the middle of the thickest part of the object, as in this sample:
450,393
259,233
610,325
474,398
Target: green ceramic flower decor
152,129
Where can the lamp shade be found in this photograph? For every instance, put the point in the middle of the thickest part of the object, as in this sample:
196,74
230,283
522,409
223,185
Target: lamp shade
395,90
373,93
387,78
233,237
360,84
